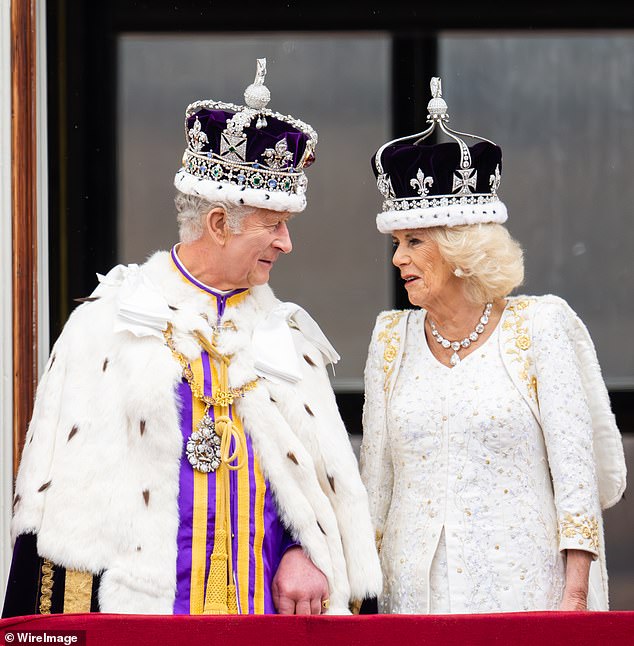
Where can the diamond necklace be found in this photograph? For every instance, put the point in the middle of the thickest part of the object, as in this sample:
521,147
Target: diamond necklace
456,346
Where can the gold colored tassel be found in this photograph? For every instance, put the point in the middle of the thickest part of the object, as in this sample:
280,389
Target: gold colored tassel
220,595
209,348
232,599
216,594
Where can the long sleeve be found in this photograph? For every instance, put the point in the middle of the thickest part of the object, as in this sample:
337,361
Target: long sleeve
567,426
37,456
375,460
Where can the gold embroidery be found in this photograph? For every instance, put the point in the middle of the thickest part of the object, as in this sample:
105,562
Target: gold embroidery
587,528
77,591
378,540
517,324
392,340
523,342
390,353
532,386
46,588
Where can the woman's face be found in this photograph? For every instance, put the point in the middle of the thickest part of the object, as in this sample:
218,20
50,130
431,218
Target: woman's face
425,272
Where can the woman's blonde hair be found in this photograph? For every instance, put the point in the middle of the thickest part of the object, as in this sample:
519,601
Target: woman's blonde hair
485,256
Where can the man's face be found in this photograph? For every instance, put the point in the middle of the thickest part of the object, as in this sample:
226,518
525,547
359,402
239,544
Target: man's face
251,253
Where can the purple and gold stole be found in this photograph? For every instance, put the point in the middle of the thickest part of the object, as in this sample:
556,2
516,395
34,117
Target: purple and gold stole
258,537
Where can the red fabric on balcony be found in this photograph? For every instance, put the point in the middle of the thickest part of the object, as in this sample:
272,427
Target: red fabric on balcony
516,629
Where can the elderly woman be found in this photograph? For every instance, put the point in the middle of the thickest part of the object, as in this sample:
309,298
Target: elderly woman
489,446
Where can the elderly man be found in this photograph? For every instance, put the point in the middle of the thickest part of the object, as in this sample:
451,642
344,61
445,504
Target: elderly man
186,454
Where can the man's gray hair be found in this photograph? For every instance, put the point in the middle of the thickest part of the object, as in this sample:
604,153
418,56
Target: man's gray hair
191,212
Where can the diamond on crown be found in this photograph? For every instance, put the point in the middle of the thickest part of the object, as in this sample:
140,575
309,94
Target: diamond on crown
197,137
280,156
421,183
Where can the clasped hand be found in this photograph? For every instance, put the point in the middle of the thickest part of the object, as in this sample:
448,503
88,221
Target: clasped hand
299,587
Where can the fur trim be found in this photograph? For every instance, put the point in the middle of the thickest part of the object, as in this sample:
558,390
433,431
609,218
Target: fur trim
105,435
121,593
257,197
303,506
449,216
310,408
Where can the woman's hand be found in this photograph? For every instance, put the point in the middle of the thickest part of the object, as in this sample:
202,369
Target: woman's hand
575,595
574,601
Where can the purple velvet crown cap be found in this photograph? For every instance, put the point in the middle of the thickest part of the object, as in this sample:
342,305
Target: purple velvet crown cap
443,184
246,155
439,162
214,122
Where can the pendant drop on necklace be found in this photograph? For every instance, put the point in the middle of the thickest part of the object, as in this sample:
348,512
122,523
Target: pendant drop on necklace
455,359
467,341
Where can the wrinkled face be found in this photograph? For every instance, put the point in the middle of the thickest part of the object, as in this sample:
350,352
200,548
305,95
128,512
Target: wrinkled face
425,272
251,253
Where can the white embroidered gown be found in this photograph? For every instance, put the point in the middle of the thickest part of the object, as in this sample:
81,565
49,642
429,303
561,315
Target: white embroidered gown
472,524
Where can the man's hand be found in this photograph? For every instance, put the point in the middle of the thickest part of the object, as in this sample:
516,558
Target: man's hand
298,587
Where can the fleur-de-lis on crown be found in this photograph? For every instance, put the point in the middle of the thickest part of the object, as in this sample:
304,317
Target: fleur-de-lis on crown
239,121
494,180
384,184
280,157
197,138
421,183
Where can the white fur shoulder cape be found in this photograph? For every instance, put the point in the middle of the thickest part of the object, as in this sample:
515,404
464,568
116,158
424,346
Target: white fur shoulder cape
98,480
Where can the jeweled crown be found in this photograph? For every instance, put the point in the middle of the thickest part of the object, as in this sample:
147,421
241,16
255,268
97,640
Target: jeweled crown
247,155
443,184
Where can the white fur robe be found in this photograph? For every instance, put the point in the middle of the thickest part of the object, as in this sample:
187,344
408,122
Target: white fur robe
98,481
